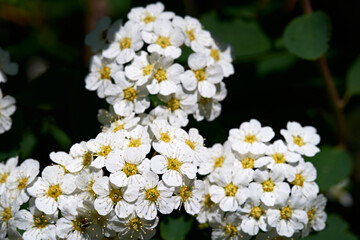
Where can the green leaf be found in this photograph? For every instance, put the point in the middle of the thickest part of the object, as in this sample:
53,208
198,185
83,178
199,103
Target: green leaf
308,36
60,137
175,228
333,165
336,229
275,63
246,38
27,144
353,78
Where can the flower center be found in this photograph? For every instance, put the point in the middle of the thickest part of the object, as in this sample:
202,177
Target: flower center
285,213
118,127
134,142
165,137
87,158
163,41
299,180
311,214
230,190
298,141
3,177
130,94
115,195
230,230
160,75
219,161
125,43
40,221
207,201
190,34
98,219
250,138
148,69
105,73
248,162
190,143
152,194
104,151
135,224
130,169
6,215
149,18
214,53
22,183
80,224
90,189
268,186
185,193
279,158
54,191
204,100
256,212
174,164
200,74
173,104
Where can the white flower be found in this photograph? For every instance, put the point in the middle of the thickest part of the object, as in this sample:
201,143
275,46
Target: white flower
126,41
6,66
5,170
51,188
8,208
22,177
174,163
145,17
253,216
84,182
269,187
196,37
110,197
165,77
126,97
7,108
102,70
228,228
316,214
249,162
223,58
96,39
230,189
250,137
155,196
288,218
165,39
138,139
189,194
82,157
300,139
36,224
201,76
123,123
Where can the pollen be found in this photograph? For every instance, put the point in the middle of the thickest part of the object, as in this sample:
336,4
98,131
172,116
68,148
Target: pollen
152,194
105,73
135,224
130,169
115,195
118,127
40,221
104,151
185,193
298,141
160,75
190,34
6,215
230,190
148,69
80,224
54,191
3,177
163,41
204,100
22,183
134,142
165,137
285,213
248,162
125,43
256,212
200,75
250,138
214,53
219,161
299,180
173,104
311,214
130,94
279,158
230,230
87,158
268,186
90,189
207,201
149,18
174,164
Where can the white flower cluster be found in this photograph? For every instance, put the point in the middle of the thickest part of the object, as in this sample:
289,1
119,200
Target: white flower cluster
7,103
135,61
254,187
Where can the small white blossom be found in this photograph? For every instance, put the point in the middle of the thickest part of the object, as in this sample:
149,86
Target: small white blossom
223,58
316,215
228,228
96,39
7,108
5,171
6,66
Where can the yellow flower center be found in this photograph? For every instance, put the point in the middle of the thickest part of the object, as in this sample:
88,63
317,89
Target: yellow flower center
204,100
174,164
104,151
248,162
90,189
134,142
87,158
54,191
256,212
311,214
190,34
125,43
285,213
6,215
268,186
3,177
173,104
152,194
130,169
299,180
298,141
118,127
214,53
135,224
250,138
22,183
80,224
219,161
160,75
148,69
230,230
165,137
130,94
149,18
163,41
230,190
200,74
279,158
191,144
115,195
40,221
105,73
185,193
207,201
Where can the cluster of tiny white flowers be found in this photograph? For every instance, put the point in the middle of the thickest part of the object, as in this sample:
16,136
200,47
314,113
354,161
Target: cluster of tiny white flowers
7,103
258,188
135,61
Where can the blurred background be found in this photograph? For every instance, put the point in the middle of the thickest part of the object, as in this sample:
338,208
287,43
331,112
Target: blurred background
271,84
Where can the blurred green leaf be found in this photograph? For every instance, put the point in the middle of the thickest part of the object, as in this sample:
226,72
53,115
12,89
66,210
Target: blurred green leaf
27,144
308,36
333,165
60,137
336,229
246,38
246,12
6,155
185,52
175,228
275,63
353,78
